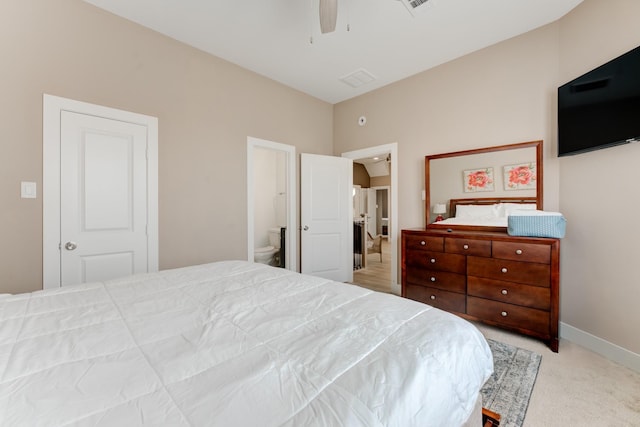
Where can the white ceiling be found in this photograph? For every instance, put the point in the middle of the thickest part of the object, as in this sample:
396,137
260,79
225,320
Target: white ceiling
273,37
376,166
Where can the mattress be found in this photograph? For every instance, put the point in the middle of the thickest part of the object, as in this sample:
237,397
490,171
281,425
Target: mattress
234,344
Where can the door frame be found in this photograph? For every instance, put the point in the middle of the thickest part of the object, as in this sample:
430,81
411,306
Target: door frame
291,236
52,107
379,150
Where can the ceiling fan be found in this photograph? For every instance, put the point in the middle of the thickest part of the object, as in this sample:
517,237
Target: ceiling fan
328,15
329,12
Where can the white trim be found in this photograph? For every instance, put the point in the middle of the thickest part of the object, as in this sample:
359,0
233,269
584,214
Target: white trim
603,347
292,222
392,149
52,107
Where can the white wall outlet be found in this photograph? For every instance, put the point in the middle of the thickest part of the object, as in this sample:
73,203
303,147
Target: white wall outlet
28,190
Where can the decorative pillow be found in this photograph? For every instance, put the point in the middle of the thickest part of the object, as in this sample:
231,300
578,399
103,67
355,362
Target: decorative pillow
477,211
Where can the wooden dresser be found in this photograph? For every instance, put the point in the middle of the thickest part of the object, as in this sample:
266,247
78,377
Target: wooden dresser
501,280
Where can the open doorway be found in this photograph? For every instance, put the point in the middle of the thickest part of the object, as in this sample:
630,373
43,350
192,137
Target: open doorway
271,203
375,215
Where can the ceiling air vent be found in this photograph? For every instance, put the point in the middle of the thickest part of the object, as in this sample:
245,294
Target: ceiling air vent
358,78
415,6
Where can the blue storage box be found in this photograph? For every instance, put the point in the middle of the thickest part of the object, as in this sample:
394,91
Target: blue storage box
536,225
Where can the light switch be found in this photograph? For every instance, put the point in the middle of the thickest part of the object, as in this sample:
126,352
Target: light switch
28,190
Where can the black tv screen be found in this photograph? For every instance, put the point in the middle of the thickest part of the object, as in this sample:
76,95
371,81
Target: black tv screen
601,108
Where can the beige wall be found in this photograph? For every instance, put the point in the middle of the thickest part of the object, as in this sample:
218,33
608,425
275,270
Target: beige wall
380,181
360,175
206,108
452,107
599,194
505,94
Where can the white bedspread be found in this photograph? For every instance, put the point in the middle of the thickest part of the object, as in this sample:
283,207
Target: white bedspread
234,344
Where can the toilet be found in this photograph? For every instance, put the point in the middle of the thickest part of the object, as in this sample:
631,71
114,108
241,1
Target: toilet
265,254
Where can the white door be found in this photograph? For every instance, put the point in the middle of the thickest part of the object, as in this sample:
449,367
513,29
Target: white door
99,192
326,217
372,204
103,202
358,204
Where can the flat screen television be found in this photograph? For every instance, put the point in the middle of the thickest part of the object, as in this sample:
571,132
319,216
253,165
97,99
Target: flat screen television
601,108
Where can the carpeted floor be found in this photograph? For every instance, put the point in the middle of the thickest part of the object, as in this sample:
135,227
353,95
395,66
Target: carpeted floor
576,387
509,389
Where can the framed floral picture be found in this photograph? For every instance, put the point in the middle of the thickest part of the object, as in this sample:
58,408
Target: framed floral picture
520,177
478,180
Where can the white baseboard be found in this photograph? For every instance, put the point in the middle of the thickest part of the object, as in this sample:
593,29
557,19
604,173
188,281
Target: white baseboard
603,347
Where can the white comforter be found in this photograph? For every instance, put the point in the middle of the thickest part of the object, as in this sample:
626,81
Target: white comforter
234,344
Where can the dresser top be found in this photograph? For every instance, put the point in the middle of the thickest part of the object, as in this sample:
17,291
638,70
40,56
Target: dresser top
483,235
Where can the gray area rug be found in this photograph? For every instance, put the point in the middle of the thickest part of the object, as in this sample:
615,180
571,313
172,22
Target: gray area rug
508,390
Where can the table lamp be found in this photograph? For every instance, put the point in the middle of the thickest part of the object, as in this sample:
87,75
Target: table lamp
439,209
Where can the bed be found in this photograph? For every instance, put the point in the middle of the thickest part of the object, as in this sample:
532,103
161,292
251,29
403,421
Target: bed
486,213
235,343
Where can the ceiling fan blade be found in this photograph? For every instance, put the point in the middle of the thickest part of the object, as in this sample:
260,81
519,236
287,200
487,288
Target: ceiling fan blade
328,15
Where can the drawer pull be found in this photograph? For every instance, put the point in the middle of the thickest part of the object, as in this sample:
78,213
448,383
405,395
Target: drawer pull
503,314
433,297
423,243
504,292
519,251
465,246
433,260
504,269
433,279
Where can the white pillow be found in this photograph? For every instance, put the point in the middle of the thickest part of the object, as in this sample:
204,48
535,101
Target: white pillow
477,211
530,212
505,209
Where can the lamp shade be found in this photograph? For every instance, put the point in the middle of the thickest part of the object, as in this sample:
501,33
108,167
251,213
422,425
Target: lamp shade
439,208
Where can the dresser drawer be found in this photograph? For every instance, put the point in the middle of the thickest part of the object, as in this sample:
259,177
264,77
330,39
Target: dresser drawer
509,315
449,301
512,271
512,293
427,243
454,282
436,261
517,251
468,246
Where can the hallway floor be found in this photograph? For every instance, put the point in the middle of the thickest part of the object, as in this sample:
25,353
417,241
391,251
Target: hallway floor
376,275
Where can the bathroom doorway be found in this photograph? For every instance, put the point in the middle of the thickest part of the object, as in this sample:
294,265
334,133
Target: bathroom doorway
271,203
381,273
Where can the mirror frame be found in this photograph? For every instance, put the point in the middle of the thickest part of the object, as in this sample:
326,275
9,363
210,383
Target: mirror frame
427,183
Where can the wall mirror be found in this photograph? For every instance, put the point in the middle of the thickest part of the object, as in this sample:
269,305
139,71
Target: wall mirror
476,189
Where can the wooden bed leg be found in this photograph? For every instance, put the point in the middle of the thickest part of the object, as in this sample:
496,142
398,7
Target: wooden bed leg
490,418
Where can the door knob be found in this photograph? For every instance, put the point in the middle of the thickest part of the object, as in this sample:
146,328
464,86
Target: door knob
306,227
70,246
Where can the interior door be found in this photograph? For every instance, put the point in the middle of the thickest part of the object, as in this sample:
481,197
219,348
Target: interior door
372,204
326,216
103,198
